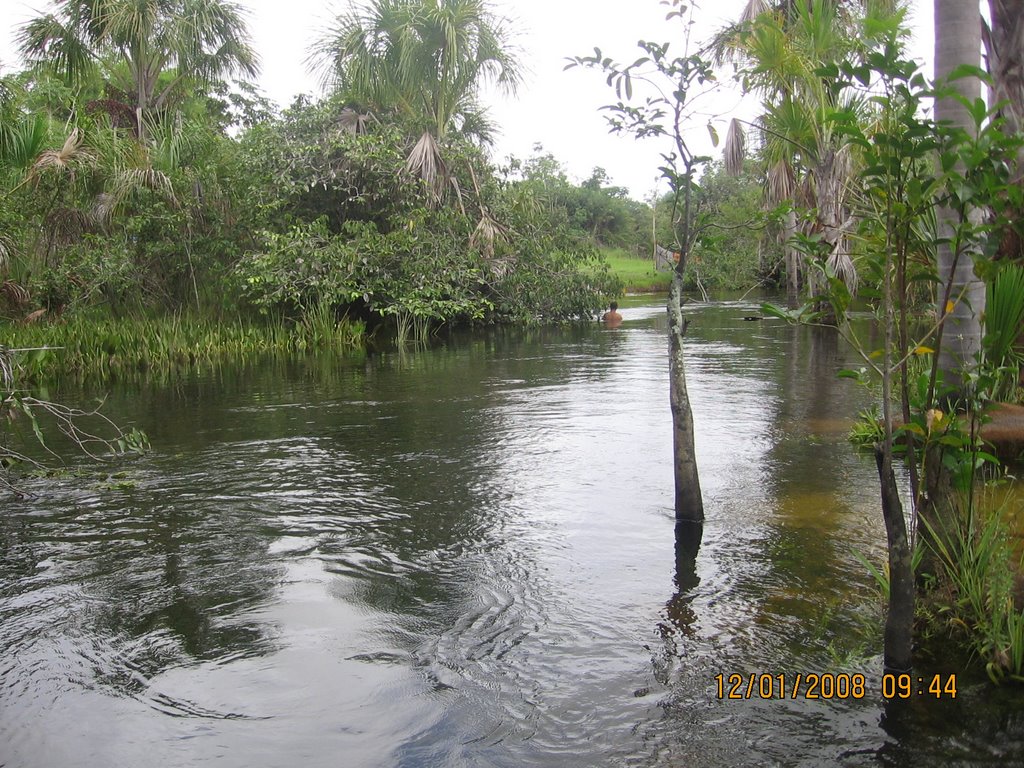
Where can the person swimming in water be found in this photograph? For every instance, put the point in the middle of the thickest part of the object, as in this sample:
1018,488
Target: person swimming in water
612,318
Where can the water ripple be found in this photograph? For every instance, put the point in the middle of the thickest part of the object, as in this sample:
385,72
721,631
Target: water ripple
466,556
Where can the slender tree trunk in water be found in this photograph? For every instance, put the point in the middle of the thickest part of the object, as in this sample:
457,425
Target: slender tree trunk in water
689,504
899,622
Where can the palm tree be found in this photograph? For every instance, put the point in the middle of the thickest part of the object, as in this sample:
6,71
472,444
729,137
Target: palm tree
957,42
1004,55
151,49
422,62
1006,59
781,47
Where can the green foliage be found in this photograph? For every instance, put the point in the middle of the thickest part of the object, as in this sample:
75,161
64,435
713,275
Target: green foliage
733,249
420,64
298,271
867,431
549,282
94,271
306,164
880,574
308,217
152,51
422,61
785,53
898,190
422,269
637,274
597,211
367,237
22,139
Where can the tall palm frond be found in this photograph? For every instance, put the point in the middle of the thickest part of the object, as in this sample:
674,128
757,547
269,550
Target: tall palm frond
6,96
487,232
476,124
1004,58
59,42
355,122
179,143
135,167
65,225
1004,313
735,146
753,9
130,180
780,49
6,252
780,182
102,211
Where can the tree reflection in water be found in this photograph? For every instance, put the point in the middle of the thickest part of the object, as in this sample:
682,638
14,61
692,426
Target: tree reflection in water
679,616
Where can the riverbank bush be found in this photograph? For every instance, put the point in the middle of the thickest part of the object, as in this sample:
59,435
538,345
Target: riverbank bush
345,222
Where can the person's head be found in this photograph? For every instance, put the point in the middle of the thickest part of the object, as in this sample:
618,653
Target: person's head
614,306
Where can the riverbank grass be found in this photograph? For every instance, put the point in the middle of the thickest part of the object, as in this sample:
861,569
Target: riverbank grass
637,274
979,592
101,347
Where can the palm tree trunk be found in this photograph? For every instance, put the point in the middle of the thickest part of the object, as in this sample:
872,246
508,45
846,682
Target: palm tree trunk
957,41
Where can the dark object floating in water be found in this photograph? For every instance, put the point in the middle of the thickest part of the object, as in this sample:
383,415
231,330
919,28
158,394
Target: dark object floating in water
752,317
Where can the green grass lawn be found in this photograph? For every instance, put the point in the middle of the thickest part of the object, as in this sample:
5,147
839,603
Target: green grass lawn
637,275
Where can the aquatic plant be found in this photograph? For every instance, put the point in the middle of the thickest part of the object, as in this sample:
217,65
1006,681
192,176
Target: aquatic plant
867,430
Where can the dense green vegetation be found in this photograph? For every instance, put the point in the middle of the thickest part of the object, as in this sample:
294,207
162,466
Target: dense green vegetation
136,182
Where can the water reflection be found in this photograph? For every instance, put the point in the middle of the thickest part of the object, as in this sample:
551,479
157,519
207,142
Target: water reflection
679,613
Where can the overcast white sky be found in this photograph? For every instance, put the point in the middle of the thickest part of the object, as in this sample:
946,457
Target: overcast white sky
556,108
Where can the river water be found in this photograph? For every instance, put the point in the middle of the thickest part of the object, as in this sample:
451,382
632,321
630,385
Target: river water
466,556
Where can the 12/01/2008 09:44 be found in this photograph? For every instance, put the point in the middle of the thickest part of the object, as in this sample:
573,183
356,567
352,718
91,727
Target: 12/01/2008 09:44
829,686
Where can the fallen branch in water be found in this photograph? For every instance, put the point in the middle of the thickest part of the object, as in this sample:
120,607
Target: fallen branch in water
17,404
